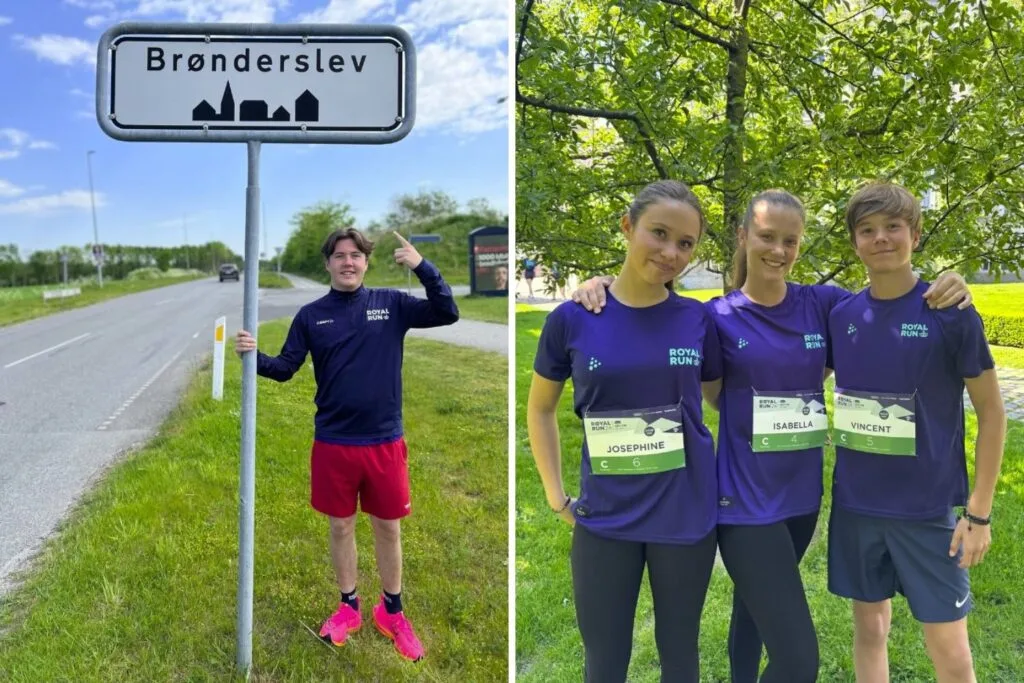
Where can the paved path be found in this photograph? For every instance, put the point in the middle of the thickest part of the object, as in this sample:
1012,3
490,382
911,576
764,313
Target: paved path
1011,384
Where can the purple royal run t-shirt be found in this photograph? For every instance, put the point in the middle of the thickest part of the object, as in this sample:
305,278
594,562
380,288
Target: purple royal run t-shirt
901,366
629,361
773,361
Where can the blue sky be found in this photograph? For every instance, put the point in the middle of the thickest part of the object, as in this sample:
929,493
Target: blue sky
146,190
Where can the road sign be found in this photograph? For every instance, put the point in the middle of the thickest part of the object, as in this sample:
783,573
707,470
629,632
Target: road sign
424,238
97,253
268,82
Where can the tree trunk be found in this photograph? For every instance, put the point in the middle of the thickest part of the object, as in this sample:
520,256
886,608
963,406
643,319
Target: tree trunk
735,112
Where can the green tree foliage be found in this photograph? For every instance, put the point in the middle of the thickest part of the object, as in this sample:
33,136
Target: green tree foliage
737,96
426,213
301,254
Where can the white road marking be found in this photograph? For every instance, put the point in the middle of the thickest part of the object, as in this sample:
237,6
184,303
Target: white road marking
165,301
124,406
52,348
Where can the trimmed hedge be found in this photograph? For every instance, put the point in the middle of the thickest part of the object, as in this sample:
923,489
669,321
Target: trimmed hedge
1003,330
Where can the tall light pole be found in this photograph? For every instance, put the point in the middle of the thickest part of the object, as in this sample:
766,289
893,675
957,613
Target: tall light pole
98,255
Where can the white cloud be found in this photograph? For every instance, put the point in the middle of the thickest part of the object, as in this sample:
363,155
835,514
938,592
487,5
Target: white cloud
16,140
50,203
482,33
5,20
15,137
97,20
348,11
459,89
9,189
425,15
95,5
241,11
62,50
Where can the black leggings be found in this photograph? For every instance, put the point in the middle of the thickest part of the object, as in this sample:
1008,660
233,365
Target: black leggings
606,576
769,602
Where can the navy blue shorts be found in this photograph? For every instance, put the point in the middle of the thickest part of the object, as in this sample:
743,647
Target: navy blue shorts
870,559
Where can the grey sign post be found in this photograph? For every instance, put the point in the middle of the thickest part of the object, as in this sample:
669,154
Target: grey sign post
255,83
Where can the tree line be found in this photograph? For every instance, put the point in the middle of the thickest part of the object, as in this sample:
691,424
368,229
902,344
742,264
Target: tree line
45,266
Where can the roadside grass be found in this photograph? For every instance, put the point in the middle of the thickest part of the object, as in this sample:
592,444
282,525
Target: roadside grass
490,309
390,276
18,304
140,583
548,647
269,280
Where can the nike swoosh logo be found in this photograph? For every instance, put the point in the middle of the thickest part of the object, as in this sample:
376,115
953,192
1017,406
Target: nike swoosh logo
960,603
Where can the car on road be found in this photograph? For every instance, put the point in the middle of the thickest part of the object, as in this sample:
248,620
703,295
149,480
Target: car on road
229,271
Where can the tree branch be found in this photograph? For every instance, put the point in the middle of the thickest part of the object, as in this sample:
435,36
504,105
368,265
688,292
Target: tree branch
949,210
609,114
995,48
703,15
884,126
707,38
825,279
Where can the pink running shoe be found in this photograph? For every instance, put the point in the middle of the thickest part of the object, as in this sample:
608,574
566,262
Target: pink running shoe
398,629
343,622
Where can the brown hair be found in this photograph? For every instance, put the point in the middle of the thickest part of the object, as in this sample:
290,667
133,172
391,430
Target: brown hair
775,198
889,199
362,243
661,190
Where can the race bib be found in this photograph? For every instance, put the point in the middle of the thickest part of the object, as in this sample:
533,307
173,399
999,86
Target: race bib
788,421
635,441
873,422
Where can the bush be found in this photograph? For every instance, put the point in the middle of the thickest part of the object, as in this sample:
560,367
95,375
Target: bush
1003,329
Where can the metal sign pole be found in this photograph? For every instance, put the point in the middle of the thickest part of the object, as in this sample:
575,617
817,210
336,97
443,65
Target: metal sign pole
247,485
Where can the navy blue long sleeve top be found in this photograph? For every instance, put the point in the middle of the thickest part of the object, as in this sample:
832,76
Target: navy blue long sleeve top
356,341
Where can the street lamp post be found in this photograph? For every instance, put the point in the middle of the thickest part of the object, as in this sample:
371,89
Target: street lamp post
95,231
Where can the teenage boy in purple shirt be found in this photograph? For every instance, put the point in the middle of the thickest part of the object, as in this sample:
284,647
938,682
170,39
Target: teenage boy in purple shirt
900,370
355,336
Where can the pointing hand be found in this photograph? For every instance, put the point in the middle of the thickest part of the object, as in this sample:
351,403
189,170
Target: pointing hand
406,255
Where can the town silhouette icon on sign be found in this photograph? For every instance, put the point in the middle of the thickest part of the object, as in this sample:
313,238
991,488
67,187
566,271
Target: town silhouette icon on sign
307,109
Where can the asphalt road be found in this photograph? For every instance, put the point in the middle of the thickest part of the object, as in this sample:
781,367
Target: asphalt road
79,389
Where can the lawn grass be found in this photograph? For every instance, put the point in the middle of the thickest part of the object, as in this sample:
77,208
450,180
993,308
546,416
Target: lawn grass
139,584
18,304
548,646
491,309
270,280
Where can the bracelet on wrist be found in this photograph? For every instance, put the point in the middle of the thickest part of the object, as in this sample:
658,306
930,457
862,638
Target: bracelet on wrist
975,519
558,511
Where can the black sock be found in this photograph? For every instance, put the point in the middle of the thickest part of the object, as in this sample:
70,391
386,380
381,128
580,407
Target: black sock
351,599
393,602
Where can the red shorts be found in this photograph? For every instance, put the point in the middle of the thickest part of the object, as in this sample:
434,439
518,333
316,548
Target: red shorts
377,476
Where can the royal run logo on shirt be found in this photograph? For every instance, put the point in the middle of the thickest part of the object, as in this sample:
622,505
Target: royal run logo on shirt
918,330
377,314
684,356
814,341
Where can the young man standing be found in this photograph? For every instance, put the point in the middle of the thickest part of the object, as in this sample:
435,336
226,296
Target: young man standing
900,370
355,336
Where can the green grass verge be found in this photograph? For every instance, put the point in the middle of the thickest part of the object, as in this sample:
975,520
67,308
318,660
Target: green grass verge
548,646
269,280
140,584
491,309
18,304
